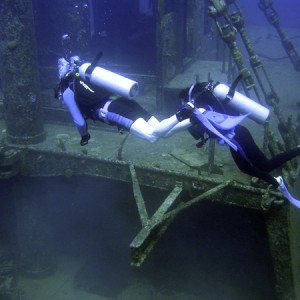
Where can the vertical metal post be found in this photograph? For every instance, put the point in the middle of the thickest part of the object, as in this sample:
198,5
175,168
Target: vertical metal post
19,73
210,166
278,234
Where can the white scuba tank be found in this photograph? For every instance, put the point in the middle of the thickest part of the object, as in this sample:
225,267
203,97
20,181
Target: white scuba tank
242,103
113,82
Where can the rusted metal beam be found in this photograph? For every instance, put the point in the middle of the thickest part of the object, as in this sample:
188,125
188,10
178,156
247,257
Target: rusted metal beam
162,218
140,203
49,163
153,228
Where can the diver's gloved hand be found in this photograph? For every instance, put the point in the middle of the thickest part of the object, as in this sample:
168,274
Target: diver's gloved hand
85,139
185,112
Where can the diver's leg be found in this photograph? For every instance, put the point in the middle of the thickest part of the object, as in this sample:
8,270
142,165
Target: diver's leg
281,158
151,130
256,156
245,165
277,182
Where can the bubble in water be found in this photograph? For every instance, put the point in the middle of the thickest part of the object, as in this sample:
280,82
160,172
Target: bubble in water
32,97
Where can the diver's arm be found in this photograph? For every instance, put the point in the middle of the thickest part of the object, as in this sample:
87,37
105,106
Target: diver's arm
69,100
183,125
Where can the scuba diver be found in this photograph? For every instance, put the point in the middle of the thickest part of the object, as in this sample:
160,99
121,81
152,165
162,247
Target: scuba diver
220,101
86,100
87,91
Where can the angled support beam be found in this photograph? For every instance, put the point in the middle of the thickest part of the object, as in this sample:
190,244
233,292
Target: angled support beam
137,193
153,228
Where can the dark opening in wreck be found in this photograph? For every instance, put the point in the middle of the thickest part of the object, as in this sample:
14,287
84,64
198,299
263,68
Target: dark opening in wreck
214,249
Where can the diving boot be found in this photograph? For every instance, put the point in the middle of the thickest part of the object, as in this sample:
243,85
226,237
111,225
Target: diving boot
283,189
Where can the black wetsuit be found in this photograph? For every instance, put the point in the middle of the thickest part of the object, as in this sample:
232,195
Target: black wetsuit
253,161
249,158
90,98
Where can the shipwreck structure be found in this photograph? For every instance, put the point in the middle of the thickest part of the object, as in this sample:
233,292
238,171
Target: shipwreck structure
34,142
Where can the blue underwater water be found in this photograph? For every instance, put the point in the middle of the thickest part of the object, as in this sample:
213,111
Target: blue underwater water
82,228
67,237
288,12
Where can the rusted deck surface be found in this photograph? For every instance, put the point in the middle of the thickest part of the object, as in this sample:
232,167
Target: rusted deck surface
176,154
161,165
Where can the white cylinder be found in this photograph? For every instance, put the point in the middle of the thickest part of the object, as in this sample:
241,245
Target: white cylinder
242,104
113,82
